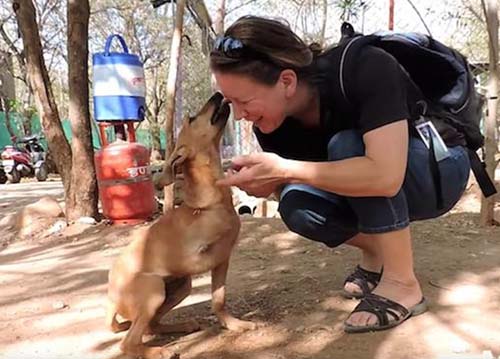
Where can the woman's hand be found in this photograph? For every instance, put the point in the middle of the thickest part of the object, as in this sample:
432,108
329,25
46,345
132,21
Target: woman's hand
258,174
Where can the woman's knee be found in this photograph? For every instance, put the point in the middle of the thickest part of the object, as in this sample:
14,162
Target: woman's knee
299,212
346,144
293,213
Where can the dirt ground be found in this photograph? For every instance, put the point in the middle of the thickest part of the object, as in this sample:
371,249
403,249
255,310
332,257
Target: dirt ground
53,293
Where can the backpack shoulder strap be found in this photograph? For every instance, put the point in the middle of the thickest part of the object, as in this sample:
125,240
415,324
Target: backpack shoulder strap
350,52
338,63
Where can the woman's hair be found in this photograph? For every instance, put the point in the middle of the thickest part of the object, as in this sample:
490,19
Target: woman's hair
267,47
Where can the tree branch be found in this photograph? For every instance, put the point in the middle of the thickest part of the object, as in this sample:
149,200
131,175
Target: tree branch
420,17
240,6
473,12
12,47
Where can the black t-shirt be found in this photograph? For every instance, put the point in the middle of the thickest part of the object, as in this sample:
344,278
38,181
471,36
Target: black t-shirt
381,93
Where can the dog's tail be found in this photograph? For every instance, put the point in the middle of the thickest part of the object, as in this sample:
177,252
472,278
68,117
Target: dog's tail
112,322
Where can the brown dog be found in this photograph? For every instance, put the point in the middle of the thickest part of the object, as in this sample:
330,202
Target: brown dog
153,274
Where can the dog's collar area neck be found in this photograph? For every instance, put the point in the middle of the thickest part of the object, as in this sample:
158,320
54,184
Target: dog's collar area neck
206,197
197,211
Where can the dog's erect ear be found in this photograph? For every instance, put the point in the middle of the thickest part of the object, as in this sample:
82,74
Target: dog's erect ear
175,160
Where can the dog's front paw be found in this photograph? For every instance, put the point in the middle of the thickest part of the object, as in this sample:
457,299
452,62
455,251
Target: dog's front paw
238,325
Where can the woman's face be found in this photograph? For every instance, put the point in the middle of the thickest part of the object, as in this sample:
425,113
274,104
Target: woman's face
264,105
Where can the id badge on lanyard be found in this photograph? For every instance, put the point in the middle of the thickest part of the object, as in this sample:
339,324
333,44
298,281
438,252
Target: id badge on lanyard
425,130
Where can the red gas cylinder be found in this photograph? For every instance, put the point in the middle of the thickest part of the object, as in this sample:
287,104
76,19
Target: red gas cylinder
125,182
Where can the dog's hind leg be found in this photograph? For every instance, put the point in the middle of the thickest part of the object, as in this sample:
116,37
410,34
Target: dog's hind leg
112,322
176,290
149,291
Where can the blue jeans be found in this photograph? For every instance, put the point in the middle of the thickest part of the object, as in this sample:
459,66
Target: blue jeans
333,219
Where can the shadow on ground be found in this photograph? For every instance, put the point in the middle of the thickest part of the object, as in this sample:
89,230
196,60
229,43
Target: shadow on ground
53,294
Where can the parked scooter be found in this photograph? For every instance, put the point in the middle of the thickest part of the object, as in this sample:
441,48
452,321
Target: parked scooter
26,158
3,176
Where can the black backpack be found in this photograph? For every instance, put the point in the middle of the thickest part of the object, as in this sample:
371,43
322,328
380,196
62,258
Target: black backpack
451,97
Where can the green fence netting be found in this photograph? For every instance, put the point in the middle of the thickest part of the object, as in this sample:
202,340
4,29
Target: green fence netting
143,136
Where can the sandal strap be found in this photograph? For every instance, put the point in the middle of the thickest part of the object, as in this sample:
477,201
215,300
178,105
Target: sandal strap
381,307
362,277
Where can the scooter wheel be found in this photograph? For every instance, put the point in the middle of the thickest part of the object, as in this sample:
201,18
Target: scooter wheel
41,173
14,176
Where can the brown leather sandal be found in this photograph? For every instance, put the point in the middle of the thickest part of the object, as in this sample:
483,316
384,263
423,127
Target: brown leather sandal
362,278
389,313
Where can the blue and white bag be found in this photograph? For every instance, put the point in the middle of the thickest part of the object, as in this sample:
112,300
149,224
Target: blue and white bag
119,85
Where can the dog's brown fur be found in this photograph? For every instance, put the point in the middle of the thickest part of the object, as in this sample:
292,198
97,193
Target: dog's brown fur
153,274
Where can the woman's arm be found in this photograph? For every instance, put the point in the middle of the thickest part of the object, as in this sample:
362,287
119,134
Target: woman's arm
379,173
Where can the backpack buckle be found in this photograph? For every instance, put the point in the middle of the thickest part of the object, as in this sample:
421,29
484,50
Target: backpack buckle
421,108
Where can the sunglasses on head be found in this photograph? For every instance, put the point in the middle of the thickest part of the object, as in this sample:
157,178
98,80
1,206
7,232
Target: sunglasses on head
236,49
229,46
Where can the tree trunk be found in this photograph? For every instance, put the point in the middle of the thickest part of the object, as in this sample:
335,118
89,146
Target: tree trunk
83,177
175,52
40,84
322,39
153,115
28,111
391,15
220,16
21,62
5,107
491,146
155,142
